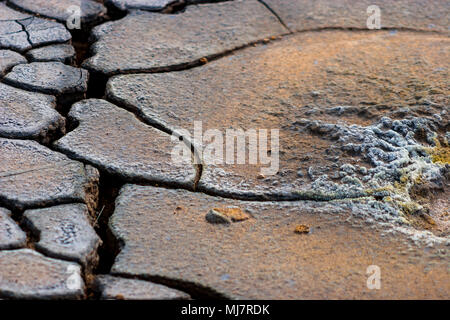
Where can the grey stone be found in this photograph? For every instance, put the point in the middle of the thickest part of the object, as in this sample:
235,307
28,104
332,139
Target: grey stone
116,141
11,236
112,288
9,59
49,77
216,217
21,32
58,9
65,233
268,87
32,175
300,15
28,115
150,5
152,41
263,257
26,274
64,53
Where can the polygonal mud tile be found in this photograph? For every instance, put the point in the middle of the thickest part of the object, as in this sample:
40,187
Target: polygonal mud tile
165,236
408,14
150,5
11,236
68,83
112,288
26,274
65,233
9,59
19,31
64,53
41,31
61,9
12,36
49,77
32,175
319,92
116,141
28,115
153,41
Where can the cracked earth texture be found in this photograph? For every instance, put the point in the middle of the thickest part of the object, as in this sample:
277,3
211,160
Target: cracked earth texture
92,206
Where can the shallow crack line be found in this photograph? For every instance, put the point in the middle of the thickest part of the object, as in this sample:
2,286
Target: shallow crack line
275,14
159,125
16,173
24,27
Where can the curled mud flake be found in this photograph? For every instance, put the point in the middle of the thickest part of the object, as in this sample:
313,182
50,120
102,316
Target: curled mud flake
301,229
226,215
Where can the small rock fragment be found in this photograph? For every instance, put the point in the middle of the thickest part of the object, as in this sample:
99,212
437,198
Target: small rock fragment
226,215
301,228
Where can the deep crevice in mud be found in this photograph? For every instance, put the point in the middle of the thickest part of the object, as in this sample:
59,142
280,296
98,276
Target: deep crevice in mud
32,237
109,190
109,187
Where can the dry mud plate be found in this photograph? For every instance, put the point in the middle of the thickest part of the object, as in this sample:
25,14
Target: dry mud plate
121,143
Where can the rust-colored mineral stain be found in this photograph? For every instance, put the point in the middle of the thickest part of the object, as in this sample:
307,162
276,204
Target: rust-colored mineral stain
301,229
235,214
